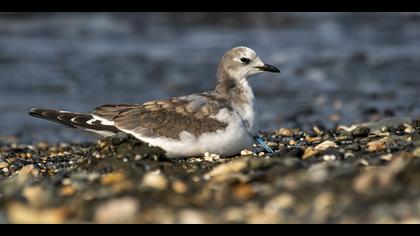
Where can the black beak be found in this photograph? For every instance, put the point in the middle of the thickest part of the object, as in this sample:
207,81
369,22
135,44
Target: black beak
268,68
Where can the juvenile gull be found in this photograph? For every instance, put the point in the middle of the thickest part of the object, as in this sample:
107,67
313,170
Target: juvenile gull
222,121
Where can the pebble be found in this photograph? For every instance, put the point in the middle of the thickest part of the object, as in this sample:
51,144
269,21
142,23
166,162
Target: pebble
246,152
179,186
36,196
284,132
112,178
329,158
409,129
223,170
309,152
325,145
416,152
234,215
348,155
243,191
317,130
280,202
117,211
190,216
67,191
318,173
361,131
376,145
363,162
387,157
155,180
272,144
313,139
22,214
3,165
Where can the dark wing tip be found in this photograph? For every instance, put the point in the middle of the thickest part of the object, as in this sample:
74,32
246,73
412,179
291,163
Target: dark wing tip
35,112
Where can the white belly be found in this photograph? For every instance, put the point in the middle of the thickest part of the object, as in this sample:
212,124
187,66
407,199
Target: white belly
227,142
224,143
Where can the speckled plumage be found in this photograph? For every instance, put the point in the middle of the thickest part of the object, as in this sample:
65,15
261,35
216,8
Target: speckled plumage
221,121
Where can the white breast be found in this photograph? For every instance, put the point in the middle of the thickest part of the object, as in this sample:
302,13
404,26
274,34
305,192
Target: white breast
247,111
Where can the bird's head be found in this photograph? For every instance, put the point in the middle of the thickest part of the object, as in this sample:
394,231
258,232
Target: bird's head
241,63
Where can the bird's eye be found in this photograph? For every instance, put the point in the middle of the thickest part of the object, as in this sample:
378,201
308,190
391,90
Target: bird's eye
245,60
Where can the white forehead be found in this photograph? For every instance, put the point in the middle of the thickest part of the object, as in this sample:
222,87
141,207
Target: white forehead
239,52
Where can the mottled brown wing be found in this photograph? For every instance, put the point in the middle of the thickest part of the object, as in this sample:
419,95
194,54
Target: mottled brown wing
168,118
109,111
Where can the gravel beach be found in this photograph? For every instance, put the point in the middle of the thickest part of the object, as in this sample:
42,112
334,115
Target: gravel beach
343,118
366,173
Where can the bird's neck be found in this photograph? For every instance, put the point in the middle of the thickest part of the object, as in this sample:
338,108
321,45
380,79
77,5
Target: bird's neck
241,97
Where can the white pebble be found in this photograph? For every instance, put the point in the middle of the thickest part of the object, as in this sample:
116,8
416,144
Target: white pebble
329,158
348,155
246,152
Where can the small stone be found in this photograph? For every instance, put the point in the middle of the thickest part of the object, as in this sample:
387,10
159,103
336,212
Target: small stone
409,129
348,155
363,162
318,173
261,154
323,200
208,158
36,196
243,191
361,132
117,211
329,158
317,130
190,216
246,152
376,145
5,170
222,171
292,142
234,215
155,180
416,152
67,191
3,165
285,132
387,157
272,144
179,186
137,157
313,139
280,202
260,217
112,178
309,152
325,145
22,214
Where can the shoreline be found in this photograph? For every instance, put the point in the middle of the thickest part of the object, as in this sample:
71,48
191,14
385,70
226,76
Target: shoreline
367,173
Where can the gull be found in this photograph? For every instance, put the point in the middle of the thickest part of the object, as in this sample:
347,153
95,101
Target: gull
223,121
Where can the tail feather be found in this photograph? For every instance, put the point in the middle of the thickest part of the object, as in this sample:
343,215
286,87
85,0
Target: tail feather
74,120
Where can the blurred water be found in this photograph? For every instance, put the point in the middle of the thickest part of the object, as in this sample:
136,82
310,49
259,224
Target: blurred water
336,67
